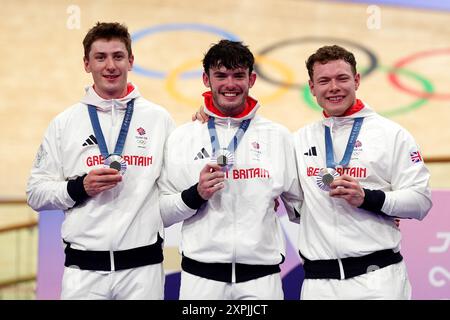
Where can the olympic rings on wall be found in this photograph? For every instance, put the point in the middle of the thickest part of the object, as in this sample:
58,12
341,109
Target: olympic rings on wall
172,79
191,69
175,27
426,85
285,72
373,61
399,64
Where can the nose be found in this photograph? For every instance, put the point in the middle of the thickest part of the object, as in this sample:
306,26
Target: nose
110,65
333,85
229,82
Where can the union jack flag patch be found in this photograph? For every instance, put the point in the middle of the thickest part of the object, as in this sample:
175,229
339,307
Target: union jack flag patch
415,157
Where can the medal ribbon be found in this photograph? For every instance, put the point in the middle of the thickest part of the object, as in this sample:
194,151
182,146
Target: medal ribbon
123,130
234,142
350,145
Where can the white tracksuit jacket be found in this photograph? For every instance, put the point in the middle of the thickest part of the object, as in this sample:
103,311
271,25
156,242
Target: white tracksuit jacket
382,159
126,216
238,224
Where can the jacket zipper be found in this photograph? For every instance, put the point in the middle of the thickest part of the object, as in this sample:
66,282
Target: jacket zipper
112,144
233,261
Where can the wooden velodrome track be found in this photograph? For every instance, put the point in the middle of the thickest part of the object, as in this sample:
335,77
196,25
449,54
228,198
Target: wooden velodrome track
41,71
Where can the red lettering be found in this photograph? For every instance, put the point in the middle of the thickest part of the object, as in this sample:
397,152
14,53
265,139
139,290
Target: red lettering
311,171
363,172
129,159
354,172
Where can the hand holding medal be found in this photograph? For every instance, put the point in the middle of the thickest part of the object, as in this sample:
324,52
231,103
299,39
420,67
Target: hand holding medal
224,157
99,180
211,180
328,179
113,160
349,189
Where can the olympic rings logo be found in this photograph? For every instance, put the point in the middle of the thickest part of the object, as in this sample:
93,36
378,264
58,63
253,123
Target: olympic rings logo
424,94
172,77
170,28
426,85
191,69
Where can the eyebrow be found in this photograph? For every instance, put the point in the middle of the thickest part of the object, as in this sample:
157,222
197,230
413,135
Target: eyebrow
115,52
226,72
340,75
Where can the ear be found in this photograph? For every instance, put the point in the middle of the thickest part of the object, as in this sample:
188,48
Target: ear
87,67
357,81
206,80
252,79
311,87
131,61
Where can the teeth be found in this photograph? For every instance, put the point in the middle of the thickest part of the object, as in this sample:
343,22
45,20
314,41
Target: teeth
335,98
231,94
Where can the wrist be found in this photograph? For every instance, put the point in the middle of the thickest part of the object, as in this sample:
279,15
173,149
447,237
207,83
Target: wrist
373,200
192,198
76,190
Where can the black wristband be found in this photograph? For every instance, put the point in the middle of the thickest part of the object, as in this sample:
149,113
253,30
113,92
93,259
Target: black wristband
373,200
192,198
76,190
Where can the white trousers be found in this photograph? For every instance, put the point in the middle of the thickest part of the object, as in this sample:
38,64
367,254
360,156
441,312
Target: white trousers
198,288
143,283
388,283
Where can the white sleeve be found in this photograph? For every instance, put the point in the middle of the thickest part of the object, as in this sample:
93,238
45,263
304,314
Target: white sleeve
410,195
47,186
293,195
173,209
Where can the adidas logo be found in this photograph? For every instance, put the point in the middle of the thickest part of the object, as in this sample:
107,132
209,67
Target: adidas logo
311,152
202,154
90,141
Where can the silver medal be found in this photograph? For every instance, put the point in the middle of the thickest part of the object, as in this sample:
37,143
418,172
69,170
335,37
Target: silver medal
115,161
224,158
325,177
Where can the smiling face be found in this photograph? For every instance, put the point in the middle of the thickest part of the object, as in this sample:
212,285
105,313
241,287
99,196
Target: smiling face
109,63
229,88
334,85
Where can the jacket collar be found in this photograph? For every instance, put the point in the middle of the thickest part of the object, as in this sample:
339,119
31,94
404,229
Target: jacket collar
353,109
251,105
360,109
91,97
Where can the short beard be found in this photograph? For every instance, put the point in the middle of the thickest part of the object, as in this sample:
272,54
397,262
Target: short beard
234,109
